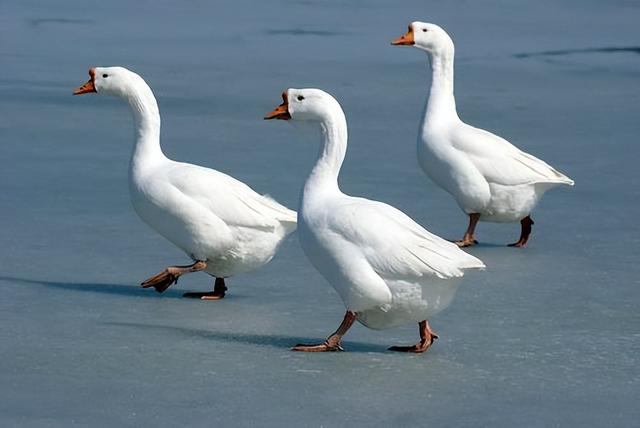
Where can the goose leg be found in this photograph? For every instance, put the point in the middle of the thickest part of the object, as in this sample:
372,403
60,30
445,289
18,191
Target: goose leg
526,224
218,292
469,238
170,276
427,336
333,342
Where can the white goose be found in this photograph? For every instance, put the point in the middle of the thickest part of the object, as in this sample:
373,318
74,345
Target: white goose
218,221
387,269
491,179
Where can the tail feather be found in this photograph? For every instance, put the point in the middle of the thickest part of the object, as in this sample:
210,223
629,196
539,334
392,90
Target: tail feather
283,214
540,167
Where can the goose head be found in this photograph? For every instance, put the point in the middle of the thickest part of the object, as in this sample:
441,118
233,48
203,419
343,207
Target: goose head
116,81
305,104
428,37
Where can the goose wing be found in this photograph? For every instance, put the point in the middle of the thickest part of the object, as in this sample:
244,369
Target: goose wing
395,245
232,201
501,162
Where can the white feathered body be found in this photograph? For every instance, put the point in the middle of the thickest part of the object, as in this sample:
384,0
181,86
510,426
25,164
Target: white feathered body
483,172
210,215
385,267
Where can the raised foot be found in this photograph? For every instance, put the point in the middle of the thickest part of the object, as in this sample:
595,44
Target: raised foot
321,347
210,295
161,281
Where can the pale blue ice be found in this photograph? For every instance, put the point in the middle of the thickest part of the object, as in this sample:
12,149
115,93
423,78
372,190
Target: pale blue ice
546,336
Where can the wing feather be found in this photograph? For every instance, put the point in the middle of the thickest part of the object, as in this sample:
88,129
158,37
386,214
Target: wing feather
229,199
396,246
501,162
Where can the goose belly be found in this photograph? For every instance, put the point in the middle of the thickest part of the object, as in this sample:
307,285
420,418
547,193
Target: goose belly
513,203
411,302
227,250
344,267
457,175
251,249
184,234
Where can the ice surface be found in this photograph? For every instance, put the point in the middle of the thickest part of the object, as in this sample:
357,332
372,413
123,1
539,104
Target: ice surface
547,336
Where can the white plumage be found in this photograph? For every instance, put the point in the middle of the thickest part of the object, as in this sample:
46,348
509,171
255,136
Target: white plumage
210,216
218,221
387,269
486,174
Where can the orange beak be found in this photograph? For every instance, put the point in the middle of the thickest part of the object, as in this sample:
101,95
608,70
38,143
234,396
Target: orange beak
405,40
89,86
282,111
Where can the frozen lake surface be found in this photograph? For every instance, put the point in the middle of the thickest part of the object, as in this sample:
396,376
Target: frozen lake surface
546,336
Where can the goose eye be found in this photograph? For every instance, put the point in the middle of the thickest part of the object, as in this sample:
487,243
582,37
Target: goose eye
300,98
105,75
424,30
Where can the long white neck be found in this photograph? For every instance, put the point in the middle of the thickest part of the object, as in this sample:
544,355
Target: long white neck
441,104
324,175
146,117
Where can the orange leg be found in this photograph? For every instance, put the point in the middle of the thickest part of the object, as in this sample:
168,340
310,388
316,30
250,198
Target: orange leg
219,290
469,238
525,232
333,342
427,337
170,276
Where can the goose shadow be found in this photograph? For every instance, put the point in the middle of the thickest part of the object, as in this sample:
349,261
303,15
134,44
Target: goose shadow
270,340
96,287
482,244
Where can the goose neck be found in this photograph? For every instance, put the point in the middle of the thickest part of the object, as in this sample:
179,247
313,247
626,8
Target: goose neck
441,99
146,116
324,174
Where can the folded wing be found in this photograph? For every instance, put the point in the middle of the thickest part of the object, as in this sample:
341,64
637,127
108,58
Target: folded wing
397,247
501,162
230,200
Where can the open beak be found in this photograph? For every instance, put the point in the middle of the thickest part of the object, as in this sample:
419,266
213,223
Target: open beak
88,87
406,39
282,111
